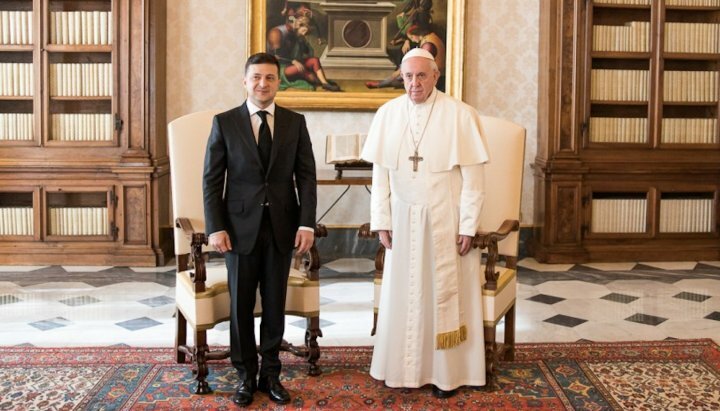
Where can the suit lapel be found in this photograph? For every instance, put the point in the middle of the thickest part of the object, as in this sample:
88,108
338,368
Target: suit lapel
279,133
242,120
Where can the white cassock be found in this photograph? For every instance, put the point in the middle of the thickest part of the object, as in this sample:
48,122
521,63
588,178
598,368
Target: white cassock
430,322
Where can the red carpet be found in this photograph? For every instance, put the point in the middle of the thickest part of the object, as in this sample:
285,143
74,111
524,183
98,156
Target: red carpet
583,376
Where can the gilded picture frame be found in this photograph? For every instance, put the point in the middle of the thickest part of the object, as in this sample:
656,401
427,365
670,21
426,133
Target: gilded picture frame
356,35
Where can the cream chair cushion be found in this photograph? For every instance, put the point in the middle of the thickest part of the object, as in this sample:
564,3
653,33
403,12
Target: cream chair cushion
303,296
187,138
204,310
503,178
496,303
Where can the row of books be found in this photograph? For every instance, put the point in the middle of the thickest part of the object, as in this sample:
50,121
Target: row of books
16,126
82,127
686,215
16,27
81,27
16,79
689,131
696,3
632,85
81,79
634,130
618,130
632,37
690,86
638,2
692,37
619,215
16,221
619,85
78,221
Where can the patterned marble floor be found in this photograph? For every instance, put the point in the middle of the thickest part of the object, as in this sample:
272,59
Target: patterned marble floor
99,306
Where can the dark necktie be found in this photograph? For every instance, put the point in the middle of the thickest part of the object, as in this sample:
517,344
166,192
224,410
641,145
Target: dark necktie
264,139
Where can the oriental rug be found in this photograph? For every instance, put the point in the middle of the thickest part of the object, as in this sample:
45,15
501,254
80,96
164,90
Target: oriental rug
669,375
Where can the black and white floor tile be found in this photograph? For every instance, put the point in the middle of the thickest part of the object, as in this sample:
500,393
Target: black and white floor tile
82,306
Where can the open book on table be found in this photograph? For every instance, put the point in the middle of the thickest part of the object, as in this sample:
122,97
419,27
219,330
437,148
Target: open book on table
344,148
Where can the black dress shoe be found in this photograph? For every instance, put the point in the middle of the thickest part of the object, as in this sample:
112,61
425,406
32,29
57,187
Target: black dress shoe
442,394
274,390
244,394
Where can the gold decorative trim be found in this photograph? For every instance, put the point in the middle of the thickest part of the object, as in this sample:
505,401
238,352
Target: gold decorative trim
450,339
504,281
302,282
210,292
201,327
308,314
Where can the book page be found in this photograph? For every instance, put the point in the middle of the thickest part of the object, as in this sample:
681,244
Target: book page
342,148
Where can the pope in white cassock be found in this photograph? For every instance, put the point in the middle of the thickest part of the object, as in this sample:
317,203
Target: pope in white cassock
427,192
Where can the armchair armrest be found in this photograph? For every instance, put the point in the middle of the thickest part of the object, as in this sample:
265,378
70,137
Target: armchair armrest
364,231
197,241
320,231
490,241
187,227
311,259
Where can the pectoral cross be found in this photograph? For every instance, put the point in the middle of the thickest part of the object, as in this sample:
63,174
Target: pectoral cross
415,159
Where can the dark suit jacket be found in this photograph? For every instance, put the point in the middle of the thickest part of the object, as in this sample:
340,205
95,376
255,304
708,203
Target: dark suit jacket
232,151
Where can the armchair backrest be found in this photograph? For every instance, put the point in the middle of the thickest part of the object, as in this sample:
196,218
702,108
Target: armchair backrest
503,178
187,139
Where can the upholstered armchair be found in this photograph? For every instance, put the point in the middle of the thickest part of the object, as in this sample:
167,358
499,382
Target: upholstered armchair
201,296
498,238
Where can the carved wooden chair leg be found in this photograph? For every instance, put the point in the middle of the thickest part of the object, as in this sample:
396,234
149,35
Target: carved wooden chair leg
509,354
313,349
201,367
379,267
180,335
490,359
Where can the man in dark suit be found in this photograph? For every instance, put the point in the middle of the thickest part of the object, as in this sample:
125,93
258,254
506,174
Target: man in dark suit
260,194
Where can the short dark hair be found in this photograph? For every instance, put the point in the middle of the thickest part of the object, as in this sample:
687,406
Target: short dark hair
262,58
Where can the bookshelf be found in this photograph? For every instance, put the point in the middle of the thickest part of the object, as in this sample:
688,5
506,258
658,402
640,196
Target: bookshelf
84,174
628,163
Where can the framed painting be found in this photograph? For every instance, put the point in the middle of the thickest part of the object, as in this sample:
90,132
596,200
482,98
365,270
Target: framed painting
345,55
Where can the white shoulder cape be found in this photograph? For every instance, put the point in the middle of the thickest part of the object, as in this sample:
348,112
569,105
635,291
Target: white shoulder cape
462,143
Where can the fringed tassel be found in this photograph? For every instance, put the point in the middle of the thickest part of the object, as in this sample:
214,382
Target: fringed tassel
450,339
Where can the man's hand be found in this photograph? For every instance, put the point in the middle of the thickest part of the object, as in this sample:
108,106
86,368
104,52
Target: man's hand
298,65
303,241
220,241
405,47
385,238
464,244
